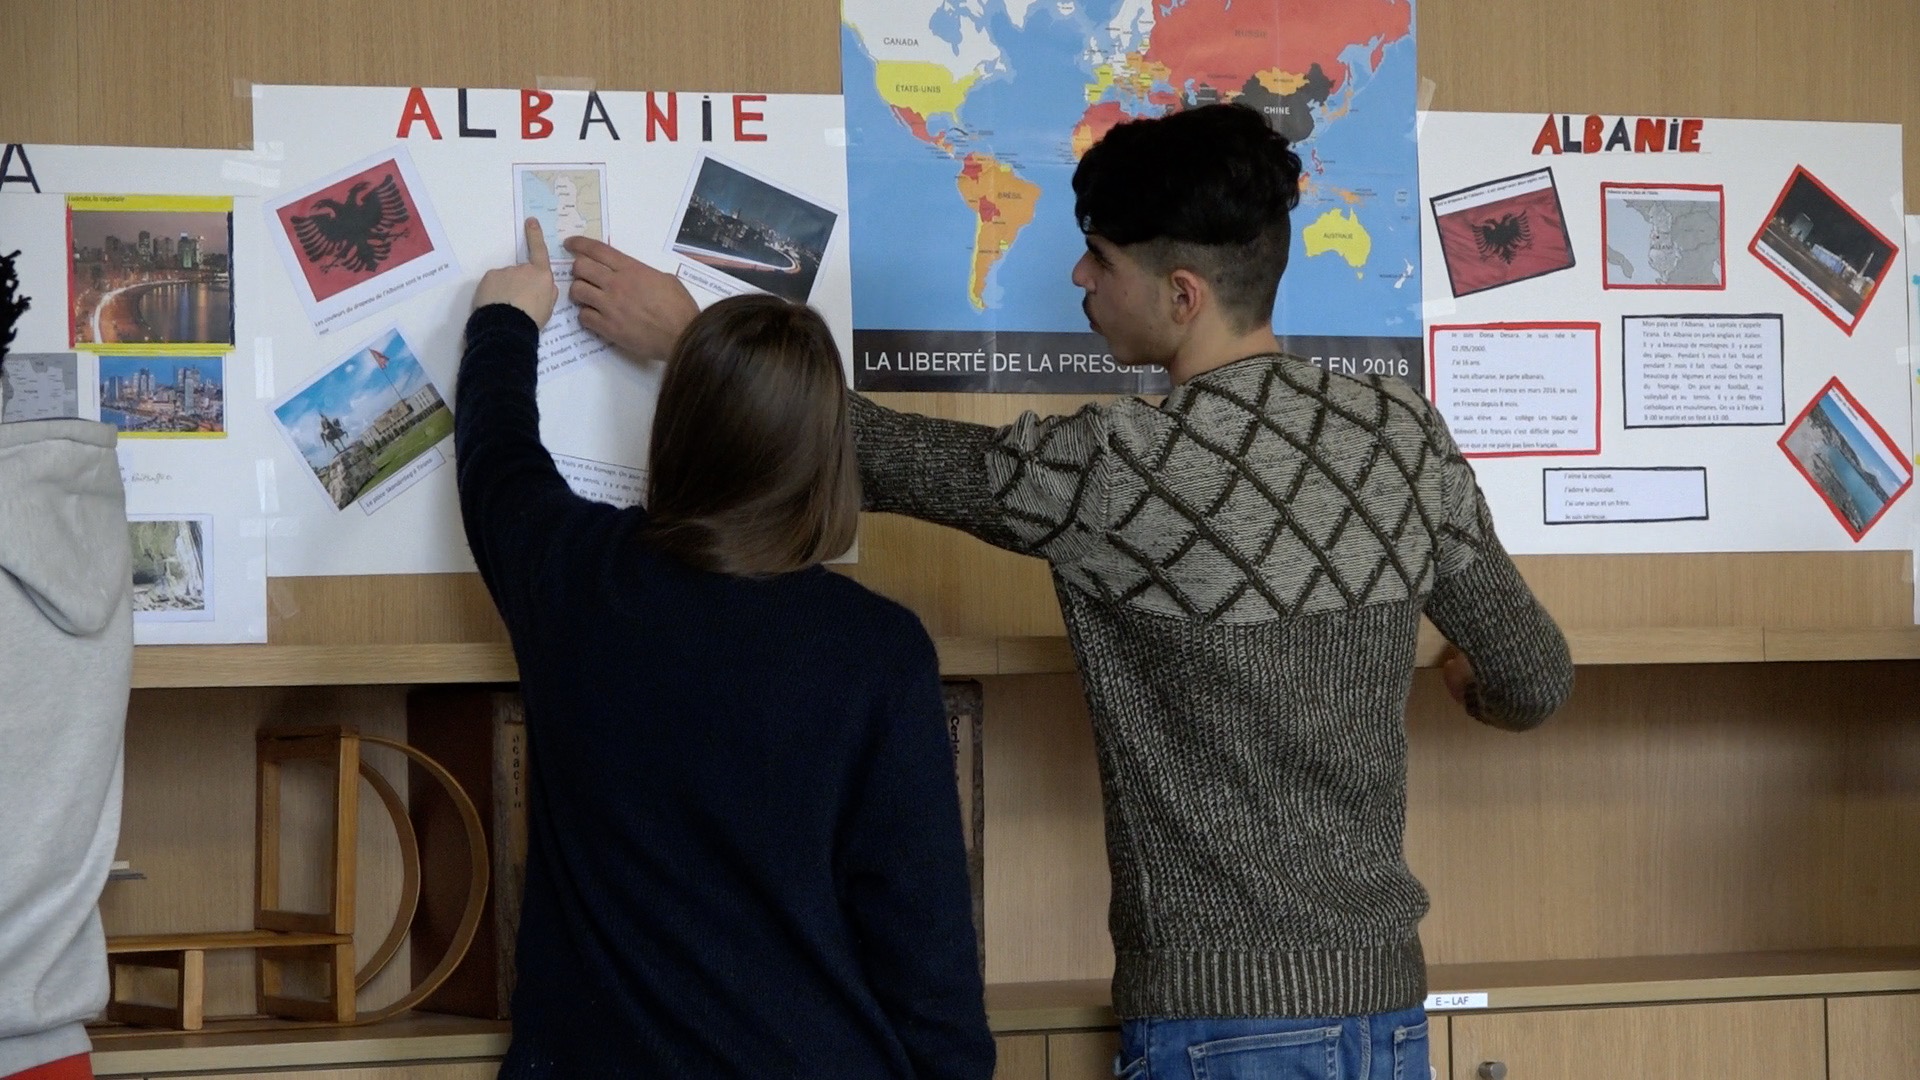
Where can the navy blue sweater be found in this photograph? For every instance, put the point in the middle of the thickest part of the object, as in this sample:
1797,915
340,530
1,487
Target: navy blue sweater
744,856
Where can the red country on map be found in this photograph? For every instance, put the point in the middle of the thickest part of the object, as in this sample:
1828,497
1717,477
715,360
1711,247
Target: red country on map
917,124
1280,56
1004,203
1224,45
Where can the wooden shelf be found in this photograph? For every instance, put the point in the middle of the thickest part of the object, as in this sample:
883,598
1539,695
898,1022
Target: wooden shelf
259,1045
1540,984
157,666
1052,1006
1866,643
1546,984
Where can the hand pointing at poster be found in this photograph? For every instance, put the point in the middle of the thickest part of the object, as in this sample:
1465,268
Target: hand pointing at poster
638,308
528,286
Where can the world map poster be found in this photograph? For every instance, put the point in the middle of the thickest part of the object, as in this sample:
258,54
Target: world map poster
965,119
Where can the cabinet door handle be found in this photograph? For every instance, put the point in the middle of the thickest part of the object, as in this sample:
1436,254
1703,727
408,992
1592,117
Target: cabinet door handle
1493,1070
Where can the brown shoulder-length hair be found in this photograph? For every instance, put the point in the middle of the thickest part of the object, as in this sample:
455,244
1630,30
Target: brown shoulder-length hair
752,470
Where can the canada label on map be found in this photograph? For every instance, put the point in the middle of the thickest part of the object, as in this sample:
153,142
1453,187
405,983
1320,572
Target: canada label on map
966,118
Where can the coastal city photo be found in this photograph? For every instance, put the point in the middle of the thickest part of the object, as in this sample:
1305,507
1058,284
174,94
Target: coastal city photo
365,419
162,396
150,277
754,232
1847,458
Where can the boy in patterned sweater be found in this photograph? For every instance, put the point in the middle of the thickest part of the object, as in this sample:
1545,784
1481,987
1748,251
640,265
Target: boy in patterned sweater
1242,569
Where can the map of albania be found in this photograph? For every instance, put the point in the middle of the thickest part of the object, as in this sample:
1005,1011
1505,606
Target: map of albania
966,117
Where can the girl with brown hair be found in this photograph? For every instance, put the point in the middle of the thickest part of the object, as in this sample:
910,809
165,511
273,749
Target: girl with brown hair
744,838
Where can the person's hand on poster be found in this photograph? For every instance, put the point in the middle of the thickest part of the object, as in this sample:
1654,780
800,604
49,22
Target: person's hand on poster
639,309
528,286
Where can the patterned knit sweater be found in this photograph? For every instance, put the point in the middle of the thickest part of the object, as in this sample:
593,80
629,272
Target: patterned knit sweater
1242,570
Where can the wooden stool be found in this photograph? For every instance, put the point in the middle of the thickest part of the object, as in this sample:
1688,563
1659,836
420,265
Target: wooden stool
186,953
280,936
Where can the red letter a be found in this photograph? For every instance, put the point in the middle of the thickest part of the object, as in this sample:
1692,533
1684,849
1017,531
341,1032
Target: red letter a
417,110
1549,138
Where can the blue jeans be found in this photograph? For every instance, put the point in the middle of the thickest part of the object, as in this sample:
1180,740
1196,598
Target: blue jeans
1385,1046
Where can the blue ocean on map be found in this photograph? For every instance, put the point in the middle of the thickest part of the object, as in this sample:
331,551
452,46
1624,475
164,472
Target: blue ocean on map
912,233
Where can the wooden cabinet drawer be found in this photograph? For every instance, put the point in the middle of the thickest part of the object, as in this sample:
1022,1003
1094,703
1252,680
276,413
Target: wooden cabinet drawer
460,1070
1870,1038
1779,1039
1021,1057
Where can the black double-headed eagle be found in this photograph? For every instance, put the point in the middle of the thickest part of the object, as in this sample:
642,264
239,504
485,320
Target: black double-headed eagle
357,234
1503,237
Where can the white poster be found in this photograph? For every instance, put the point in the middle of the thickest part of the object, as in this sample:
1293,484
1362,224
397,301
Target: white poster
426,189
142,318
1750,393
1913,360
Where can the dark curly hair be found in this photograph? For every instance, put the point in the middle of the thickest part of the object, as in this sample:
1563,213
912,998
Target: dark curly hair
11,307
1208,190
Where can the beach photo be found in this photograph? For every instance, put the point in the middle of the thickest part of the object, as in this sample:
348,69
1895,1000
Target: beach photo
172,567
1501,232
368,426
150,271
762,236
1847,458
164,396
1829,254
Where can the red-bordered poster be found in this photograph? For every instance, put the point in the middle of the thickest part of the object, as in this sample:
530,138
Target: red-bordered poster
1518,389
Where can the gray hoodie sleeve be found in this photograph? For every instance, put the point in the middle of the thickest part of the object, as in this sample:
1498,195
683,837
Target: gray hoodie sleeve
66,660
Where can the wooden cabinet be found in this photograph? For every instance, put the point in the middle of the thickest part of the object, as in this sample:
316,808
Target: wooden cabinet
442,1071
1022,1057
1873,1038
1779,1040
1082,1055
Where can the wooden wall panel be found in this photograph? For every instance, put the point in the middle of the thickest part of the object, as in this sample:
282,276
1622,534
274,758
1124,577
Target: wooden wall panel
1765,59
1706,809
1673,810
39,69
180,68
1045,844
175,72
